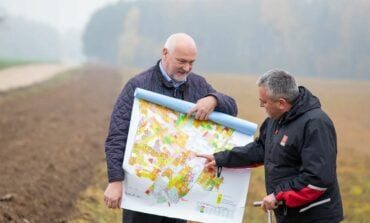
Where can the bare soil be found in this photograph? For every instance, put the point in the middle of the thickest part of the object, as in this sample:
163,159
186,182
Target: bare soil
51,141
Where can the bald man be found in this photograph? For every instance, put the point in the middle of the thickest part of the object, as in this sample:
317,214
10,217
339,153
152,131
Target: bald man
171,76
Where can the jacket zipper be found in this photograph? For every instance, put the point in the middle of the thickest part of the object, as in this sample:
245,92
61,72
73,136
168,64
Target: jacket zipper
175,93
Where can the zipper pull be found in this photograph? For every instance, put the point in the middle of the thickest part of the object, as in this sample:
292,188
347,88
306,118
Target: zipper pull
175,92
219,169
285,210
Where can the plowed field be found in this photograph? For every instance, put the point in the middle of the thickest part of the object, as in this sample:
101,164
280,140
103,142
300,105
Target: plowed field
51,138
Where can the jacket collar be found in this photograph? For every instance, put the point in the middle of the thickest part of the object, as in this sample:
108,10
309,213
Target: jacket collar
169,83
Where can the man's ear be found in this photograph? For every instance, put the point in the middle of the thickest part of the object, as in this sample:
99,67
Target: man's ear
164,52
283,104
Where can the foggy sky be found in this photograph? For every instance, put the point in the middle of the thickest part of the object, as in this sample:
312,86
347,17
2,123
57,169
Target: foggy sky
317,37
60,14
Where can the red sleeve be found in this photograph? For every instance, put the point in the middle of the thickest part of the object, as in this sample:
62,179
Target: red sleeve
298,198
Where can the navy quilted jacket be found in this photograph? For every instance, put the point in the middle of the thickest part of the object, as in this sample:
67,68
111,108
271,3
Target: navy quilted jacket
195,88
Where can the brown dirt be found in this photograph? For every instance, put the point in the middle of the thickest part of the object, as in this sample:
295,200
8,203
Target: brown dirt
51,140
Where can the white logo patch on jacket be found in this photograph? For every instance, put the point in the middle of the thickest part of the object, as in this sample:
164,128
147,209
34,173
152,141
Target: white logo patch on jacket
284,140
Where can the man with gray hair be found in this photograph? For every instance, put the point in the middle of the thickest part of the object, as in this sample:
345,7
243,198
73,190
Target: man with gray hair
171,76
298,147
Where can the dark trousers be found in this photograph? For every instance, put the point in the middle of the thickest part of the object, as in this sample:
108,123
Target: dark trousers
129,216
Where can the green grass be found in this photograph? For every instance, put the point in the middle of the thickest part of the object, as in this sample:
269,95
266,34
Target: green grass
6,63
91,206
11,62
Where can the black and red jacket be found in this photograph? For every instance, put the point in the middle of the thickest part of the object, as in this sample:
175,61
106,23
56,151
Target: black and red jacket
299,153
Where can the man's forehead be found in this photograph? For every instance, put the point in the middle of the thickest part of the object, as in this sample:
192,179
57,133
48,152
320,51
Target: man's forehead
262,90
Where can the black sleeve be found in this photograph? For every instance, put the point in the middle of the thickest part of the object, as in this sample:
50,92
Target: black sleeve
250,155
115,143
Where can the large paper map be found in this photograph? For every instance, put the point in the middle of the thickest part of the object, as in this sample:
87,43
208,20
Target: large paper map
164,177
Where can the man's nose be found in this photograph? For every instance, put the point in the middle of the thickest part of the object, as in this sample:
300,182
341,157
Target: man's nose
187,67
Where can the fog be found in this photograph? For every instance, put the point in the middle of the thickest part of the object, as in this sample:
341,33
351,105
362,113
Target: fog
307,37
44,30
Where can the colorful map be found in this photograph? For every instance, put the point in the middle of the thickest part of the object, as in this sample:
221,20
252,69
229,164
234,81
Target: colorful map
162,170
164,149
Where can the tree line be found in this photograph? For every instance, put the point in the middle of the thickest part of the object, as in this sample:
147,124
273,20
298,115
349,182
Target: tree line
322,38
